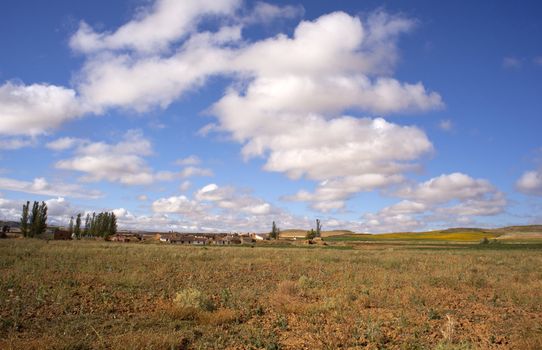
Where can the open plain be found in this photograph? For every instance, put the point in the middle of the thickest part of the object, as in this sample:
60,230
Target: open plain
100,295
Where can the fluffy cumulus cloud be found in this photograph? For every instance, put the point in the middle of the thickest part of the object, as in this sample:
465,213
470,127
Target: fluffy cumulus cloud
299,111
449,199
10,209
286,108
216,208
154,28
290,110
348,155
530,182
121,162
232,199
35,109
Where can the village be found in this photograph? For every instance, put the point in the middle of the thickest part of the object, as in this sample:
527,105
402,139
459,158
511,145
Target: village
192,238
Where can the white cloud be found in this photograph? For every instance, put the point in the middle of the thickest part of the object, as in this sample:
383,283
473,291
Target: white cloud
190,160
16,143
64,143
185,185
42,187
446,187
348,155
143,197
530,183
450,199
59,210
192,171
179,205
139,83
122,162
154,27
59,207
288,109
35,109
264,12
217,209
232,199
331,194
10,209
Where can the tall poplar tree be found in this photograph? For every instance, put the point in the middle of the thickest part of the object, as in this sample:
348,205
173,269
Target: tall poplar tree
25,219
77,228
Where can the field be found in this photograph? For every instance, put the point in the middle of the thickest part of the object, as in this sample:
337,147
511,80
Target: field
105,295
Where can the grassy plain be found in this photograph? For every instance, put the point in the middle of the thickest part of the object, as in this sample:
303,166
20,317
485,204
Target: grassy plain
105,295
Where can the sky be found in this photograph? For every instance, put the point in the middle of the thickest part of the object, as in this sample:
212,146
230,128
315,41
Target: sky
227,115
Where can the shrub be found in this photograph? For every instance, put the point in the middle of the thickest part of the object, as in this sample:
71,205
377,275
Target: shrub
306,282
188,303
190,297
289,288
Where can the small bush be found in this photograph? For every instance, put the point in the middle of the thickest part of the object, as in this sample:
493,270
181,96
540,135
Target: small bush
289,288
189,298
188,303
305,282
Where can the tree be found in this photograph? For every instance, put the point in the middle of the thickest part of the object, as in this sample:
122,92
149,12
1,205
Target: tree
34,219
38,218
274,232
92,225
77,228
112,224
318,228
42,225
70,226
311,234
87,225
103,224
25,219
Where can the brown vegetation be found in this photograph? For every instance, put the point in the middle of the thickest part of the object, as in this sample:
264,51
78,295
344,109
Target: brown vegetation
89,294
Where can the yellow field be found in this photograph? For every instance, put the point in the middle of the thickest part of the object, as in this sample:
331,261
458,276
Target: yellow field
468,236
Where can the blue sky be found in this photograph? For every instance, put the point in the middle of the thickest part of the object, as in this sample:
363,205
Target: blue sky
227,115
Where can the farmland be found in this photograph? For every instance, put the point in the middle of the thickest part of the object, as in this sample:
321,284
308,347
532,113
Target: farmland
94,294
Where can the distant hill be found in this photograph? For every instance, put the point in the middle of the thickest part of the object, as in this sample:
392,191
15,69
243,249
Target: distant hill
302,233
10,223
457,234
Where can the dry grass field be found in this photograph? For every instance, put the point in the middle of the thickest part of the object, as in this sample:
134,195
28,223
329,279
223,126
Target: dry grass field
104,295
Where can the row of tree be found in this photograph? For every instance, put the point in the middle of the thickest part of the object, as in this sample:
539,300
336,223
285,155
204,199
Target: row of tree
34,222
103,225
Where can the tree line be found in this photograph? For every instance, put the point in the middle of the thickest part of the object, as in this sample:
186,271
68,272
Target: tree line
103,224
34,222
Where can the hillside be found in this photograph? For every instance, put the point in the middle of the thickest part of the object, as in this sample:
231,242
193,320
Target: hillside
297,233
459,234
